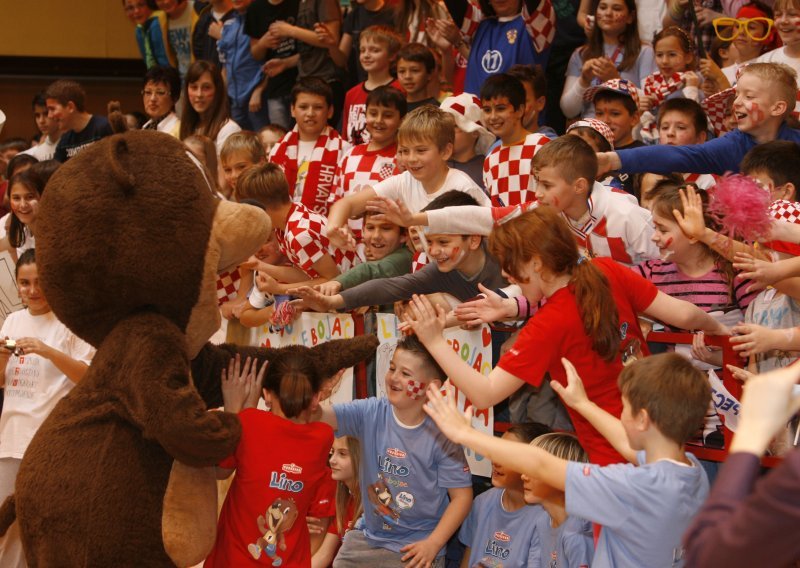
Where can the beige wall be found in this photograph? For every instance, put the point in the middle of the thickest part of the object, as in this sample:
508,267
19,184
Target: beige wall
61,28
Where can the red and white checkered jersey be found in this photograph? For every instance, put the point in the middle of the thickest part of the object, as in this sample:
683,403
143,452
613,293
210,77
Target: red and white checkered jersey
419,261
303,241
508,171
541,24
361,168
703,181
228,285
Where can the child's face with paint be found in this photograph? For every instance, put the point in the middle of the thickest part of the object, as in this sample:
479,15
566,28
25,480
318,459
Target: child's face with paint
503,477
554,190
754,103
612,16
449,251
618,118
676,128
406,380
672,244
787,22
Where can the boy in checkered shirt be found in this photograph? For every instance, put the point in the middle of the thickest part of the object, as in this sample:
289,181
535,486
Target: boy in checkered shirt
507,173
299,231
425,143
367,164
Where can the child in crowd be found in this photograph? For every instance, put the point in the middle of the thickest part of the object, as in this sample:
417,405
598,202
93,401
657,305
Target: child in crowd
408,469
257,310
786,14
566,539
416,66
535,83
460,264
387,254
206,111
241,151
595,133
752,34
277,484
664,398
151,33
682,122
501,526
369,163
204,149
377,52
613,51
45,361
271,135
300,233
25,190
472,140
310,151
425,143
345,464
776,166
66,105
590,317
161,90
244,77
50,132
765,95
182,16
507,171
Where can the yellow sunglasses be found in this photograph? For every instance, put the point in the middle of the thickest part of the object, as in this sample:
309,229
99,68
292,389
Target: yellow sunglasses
728,29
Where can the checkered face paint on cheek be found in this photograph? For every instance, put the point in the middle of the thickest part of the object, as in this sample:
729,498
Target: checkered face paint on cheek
415,389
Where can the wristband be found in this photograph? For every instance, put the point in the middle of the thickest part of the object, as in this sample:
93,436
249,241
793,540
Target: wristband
523,308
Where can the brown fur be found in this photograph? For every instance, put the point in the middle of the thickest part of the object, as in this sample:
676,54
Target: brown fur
128,244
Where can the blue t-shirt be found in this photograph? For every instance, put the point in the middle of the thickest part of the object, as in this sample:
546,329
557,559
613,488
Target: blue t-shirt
497,537
644,510
405,472
243,72
498,44
569,545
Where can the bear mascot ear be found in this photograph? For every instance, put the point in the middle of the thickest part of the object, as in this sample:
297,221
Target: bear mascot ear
331,356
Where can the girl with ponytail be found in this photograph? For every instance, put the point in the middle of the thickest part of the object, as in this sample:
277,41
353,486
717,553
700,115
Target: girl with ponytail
589,317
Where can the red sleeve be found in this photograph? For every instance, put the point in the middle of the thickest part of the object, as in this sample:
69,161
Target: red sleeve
323,503
246,418
533,352
639,291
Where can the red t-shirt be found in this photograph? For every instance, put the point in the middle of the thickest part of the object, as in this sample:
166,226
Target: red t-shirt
354,117
282,476
556,331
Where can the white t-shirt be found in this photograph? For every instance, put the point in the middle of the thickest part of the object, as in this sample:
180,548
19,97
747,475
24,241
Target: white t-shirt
34,384
304,150
230,127
44,151
404,186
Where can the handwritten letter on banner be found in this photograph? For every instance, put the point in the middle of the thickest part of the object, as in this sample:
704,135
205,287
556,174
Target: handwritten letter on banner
474,347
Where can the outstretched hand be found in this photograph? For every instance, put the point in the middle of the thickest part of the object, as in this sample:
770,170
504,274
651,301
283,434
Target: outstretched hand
241,384
443,411
392,210
313,299
425,320
574,394
341,237
762,273
488,309
691,220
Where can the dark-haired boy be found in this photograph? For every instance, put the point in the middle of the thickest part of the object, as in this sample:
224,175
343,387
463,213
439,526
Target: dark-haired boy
776,166
310,151
416,65
535,83
664,399
683,122
507,172
459,262
48,127
66,106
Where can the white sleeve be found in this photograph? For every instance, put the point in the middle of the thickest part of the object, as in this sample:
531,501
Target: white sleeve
572,95
461,220
390,187
640,236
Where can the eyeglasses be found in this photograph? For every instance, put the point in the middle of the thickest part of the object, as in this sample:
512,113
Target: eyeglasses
157,93
728,29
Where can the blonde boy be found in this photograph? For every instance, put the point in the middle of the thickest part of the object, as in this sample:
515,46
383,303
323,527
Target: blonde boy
664,400
425,143
241,151
378,47
765,95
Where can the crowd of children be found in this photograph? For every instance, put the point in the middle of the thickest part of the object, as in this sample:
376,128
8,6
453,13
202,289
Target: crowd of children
428,180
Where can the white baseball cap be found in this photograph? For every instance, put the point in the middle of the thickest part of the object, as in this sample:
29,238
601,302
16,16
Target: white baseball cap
466,109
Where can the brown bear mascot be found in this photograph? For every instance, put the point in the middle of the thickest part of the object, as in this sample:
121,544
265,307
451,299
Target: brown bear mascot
129,242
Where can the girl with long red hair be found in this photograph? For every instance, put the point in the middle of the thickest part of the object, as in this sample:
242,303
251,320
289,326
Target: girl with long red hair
590,318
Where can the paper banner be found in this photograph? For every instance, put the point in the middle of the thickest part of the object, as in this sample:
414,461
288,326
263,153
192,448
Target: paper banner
9,297
474,347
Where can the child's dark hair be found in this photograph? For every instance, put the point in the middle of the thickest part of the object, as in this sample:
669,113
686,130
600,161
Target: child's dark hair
572,157
528,431
418,53
218,113
265,183
32,182
605,95
674,393
412,344
294,377
542,232
17,162
16,143
312,86
45,169
504,85
668,180
27,257
39,100
684,39
167,76
390,97
452,198
65,92
779,159
275,128
715,51
690,108
533,75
